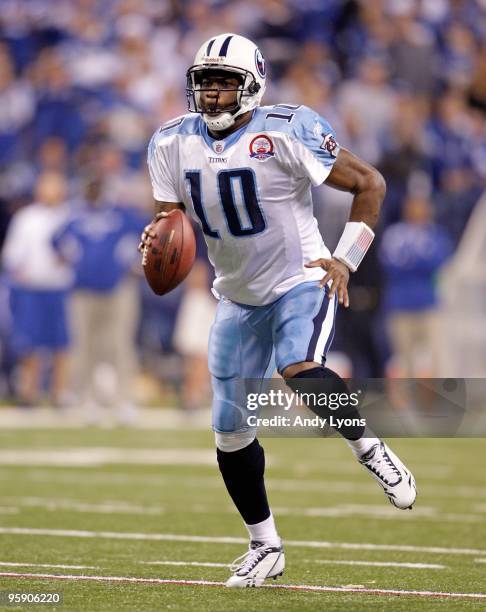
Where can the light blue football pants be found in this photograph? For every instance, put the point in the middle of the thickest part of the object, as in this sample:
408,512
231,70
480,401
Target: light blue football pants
248,342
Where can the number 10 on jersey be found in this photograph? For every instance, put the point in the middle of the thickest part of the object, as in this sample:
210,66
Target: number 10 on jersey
226,182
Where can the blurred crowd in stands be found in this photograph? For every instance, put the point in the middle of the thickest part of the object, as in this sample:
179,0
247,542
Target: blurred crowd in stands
84,83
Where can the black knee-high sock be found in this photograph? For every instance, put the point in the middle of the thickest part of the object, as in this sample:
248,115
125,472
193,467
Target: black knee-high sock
242,473
331,383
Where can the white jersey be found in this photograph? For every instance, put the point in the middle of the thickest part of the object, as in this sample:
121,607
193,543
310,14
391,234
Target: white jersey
251,195
28,255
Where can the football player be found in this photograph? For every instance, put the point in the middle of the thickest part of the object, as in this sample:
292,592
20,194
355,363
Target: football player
244,173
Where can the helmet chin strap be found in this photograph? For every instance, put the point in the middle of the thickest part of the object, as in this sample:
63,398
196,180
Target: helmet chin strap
222,122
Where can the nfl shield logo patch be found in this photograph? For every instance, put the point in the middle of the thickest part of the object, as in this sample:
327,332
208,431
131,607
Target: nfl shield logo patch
218,146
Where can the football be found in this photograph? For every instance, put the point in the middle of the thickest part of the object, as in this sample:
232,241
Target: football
170,257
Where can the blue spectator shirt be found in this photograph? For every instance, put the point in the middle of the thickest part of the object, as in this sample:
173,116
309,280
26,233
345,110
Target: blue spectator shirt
101,244
411,255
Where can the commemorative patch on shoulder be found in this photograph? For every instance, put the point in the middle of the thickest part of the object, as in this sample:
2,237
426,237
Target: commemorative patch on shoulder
261,148
329,144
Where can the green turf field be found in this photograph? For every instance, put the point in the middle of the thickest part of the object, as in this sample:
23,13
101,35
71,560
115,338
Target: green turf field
111,502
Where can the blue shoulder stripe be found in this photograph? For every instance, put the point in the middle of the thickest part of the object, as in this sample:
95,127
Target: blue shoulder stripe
185,124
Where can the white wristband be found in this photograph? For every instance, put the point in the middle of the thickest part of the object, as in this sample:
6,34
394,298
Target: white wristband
353,244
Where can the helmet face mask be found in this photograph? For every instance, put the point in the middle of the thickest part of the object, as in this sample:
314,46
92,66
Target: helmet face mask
239,58
196,86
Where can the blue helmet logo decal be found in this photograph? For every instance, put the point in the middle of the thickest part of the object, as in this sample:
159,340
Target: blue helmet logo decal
260,63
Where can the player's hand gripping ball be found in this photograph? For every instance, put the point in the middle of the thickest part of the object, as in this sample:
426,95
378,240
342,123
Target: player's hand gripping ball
168,250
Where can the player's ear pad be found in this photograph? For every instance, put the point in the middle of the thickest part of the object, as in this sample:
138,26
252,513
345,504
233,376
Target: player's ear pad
323,380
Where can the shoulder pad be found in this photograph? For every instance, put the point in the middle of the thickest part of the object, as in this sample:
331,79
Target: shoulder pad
185,124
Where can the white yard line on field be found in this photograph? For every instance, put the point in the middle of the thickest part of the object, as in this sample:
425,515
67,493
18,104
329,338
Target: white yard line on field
170,537
293,587
108,507
383,511
97,456
348,466
9,564
480,560
318,485
186,563
9,510
75,418
318,561
364,486
377,563
84,456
